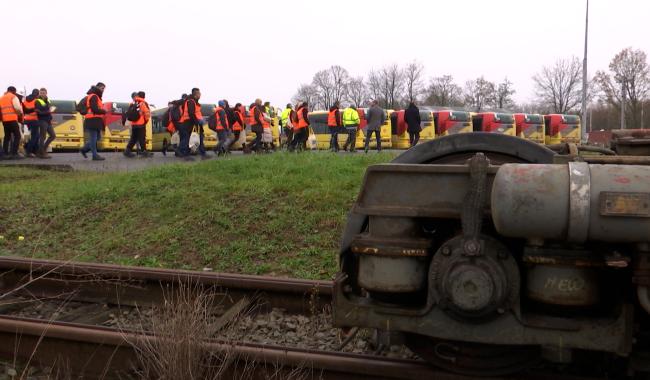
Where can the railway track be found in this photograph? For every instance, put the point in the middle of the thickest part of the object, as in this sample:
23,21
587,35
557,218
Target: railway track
70,314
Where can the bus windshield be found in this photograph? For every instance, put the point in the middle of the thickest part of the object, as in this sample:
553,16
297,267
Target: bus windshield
571,119
459,116
120,107
534,119
64,106
504,118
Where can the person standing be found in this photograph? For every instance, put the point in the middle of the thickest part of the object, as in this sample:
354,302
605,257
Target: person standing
236,122
31,119
139,126
12,114
334,123
222,128
301,128
412,119
287,126
191,117
376,118
94,120
351,124
44,111
255,115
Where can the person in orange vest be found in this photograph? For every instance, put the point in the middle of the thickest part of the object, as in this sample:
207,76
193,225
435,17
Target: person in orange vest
300,128
255,116
191,117
334,123
31,119
93,120
222,128
139,127
11,115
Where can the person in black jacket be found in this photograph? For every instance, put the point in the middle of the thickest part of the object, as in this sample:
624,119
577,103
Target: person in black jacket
93,121
412,119
191,118
31,119
44,111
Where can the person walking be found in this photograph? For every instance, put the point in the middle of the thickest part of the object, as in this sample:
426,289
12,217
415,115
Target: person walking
191,117
44,111
31,119
301,128
351,124
139,126
334,124
412,119
222,128
236,120
376,117
11,113
93,120
255,115
287,126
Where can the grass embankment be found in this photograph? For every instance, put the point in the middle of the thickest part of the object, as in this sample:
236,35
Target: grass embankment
279,214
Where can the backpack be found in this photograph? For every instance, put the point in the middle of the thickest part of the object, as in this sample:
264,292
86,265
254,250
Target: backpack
133,113
82,105
212,122
176,112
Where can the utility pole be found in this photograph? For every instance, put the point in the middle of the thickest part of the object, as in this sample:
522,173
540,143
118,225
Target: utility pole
584,77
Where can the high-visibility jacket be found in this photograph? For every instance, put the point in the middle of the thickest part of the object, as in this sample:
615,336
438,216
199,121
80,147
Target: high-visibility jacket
285,116
266,124
237,124
7,107
217,114
251,116
90,114
145,113
302,123
29,108
185,111
350,117
332,119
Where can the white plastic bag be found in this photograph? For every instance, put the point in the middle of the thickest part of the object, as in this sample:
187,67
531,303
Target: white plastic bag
176,139
312,142
267,135
195,141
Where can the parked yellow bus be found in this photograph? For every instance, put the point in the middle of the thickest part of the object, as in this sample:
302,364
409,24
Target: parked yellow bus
386,138
562,129
399,130
68,125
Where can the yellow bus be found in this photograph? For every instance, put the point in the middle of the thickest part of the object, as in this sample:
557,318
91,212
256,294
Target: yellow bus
530,127
68,125
562,129
318,124
399,129
449,122
386,137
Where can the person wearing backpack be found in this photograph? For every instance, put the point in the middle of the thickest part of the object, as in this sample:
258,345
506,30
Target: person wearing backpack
139,115
191,117
92,109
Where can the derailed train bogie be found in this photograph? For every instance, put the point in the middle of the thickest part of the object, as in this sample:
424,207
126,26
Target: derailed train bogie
491,269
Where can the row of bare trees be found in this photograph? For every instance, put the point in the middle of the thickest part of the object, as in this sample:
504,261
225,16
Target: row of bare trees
558,89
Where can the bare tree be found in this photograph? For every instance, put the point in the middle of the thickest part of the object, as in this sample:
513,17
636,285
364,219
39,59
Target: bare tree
324,85
374,87
414,86
479,93
560,87
443,91
306,93
340,82
392,85
503,95
357,92
630,73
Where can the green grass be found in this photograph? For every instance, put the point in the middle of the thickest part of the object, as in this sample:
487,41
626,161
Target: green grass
276,214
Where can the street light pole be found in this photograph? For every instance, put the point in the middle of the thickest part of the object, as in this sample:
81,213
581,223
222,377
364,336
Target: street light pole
584,78
623,104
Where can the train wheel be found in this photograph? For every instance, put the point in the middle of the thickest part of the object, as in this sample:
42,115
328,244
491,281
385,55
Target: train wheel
473,359
456,149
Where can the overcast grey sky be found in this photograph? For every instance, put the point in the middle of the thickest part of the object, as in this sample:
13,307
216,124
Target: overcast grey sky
242,50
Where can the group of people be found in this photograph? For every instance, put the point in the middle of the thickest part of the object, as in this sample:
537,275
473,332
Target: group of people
35,112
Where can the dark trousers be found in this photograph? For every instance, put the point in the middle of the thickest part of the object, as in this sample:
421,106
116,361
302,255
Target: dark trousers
222,136
414,137
45,128
299,139
138,136
11,141
257,143
92,136
352,138
288,132
34,131
377,136
201,144
334,139
184,130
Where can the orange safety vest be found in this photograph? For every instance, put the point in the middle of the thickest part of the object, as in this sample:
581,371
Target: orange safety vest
90,114
302,123
265,124
30,115
220,127
236,126
184,112
331,118
251,115
7,107
145,114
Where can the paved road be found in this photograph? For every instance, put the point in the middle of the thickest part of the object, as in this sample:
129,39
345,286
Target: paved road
115,161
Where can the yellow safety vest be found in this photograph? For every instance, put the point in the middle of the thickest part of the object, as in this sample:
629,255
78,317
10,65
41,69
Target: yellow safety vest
285,116
350,117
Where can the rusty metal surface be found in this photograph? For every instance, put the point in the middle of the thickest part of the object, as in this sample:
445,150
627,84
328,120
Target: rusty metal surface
617,160
96,351
579,202
562,285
